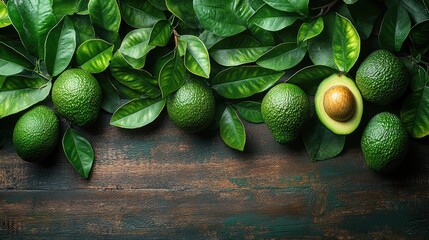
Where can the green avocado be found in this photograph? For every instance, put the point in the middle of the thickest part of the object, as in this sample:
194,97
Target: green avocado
339,104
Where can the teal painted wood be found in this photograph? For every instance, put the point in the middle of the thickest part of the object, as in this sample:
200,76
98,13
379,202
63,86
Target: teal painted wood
160,183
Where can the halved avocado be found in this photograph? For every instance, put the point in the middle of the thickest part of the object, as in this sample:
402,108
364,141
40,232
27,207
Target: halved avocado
338,104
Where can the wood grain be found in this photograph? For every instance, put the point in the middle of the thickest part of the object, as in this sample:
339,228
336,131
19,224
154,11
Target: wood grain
160,183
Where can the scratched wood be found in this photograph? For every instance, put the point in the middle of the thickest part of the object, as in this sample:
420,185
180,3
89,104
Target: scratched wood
160,183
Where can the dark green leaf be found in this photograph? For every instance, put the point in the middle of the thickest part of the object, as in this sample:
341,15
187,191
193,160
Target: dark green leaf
223,17
419,36
237,50
232,129
160,34
320,47
60,46
32,19
105,14
309,77
250,111
283,56
272,19
298,6
418,9
350,1
263,36
140,14
18,93
4,16
184,10
364,14
11,61
135,47
209,39
135,79
94,55
415,112
345,44
197,59
159,4
137,113
111,99
310,29
82,7
78,151
83,27
63,8
320,142
172,75
395,28
242,82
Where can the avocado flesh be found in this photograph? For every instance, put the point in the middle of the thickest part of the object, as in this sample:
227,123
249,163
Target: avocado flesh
338,127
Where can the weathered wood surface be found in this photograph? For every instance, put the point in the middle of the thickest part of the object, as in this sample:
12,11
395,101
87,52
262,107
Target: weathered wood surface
160,183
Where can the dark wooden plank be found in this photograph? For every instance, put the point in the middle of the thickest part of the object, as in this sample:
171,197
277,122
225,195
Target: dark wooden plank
158,182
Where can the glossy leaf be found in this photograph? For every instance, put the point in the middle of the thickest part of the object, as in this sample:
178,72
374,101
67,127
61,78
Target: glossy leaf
135,79
209,39
242,82
363,15
111,99
418,36
78,151
60,46
223,17
140,14
320,142
395,28
237,50
135,47
159,4
83,28
184,10
137,113
18,94
272,19
250,111
310,29
283,56
350,1
263,36
197,59
298,6
308,78
172,75
160,34
62,8
32,19
105,14
4,16
418,9
345,44
320,47
232,129
94,55
11,61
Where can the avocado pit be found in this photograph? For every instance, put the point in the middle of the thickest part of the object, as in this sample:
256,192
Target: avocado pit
339,103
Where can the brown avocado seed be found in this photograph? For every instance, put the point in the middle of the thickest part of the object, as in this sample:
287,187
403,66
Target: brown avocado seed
339,103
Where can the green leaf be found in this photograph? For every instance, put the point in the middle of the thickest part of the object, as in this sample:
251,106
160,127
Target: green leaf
395,28
418,9
18,94
250,111
172,75
320,47
418,36
209,39
159,4
320,142
63,8
32,19
345,44
308,78
105,14
140,14
135,79
282,57
310,29
94,55
111,99
137,113
78,151
298,6
272,19
232,129
4,16
184,10
263,36
245,81
60,46
364,15
237,50
11,61
83,27
197,59
223,17
160,34
135,47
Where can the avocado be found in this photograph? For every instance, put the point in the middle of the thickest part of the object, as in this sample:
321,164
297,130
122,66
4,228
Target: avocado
338,104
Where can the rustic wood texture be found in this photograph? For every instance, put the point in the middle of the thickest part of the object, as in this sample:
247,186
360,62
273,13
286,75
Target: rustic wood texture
160,183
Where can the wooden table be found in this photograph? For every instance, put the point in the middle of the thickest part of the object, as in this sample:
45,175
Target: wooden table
160,183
